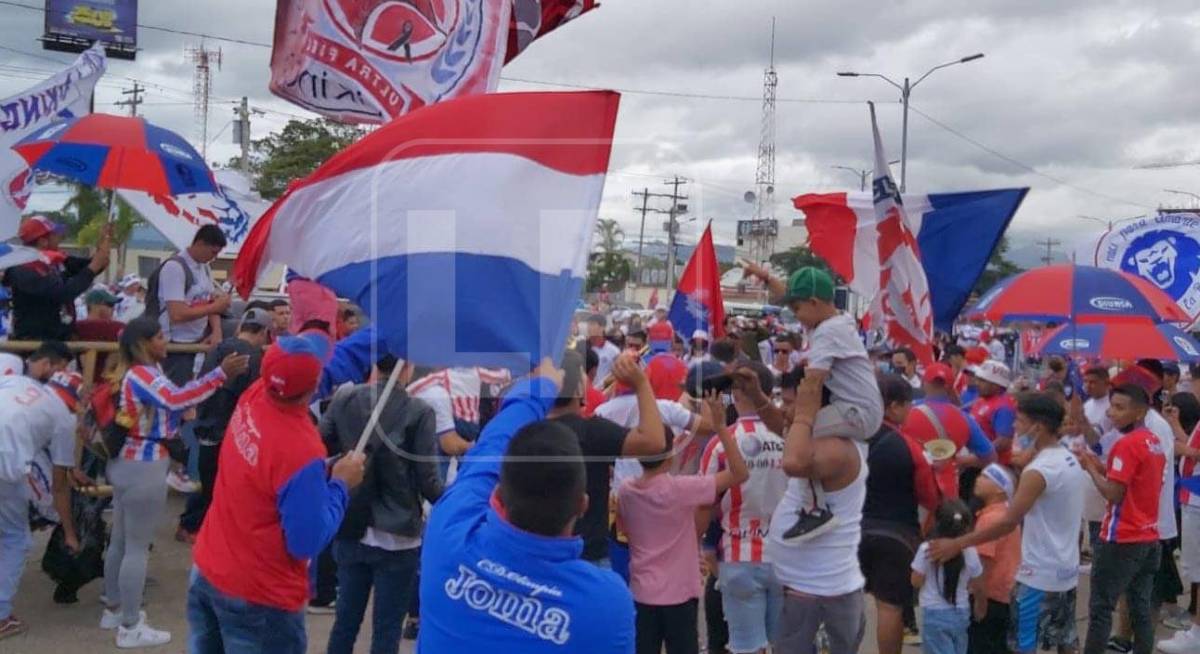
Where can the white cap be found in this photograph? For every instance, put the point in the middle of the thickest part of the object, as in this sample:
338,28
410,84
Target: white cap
11,364
700,333
993,371
130,280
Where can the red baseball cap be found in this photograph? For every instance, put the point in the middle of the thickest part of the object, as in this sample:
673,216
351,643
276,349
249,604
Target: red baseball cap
976,355
660,331
666,374
292,366
36,227
937,372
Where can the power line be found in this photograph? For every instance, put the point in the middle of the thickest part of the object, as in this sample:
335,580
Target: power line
1024,166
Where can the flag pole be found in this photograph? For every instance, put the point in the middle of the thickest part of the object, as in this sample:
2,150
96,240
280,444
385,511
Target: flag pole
378,410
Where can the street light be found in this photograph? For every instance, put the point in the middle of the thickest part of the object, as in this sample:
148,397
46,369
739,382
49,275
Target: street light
863,174
1187,193
1108,222
905,91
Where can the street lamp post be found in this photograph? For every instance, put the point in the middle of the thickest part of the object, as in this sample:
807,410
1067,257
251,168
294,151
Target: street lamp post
863,174
905,92
1187,193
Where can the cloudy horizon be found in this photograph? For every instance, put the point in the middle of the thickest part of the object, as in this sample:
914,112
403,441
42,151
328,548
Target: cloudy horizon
1068,100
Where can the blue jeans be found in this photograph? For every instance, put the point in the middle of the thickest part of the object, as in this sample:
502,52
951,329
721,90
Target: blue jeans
221,624
393,575
752,600
944,631
15,540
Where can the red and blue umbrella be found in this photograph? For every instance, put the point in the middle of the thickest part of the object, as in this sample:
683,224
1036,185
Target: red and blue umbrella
118,152
1080,294
1121,339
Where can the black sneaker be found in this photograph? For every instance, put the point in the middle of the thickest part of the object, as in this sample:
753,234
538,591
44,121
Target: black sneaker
410,629
1120,645
809,525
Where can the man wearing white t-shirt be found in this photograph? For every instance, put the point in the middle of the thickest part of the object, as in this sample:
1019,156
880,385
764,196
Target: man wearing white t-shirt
1187,641
1097,429
1049,499
33,418
185,301
604,349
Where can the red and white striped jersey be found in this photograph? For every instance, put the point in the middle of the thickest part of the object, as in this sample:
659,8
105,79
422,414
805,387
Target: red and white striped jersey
464,387
745,510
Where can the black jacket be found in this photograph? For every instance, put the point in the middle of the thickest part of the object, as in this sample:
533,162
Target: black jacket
401,459
43,297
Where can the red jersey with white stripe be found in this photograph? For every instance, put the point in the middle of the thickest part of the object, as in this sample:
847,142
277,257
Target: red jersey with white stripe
1187,469
464,386
1138,463
745,510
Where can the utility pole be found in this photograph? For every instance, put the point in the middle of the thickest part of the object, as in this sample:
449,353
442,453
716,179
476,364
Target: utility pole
242,132
645,193
1049,243
672,227
133,102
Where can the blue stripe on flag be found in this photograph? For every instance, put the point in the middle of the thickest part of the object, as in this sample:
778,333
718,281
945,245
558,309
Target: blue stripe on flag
459,309
957,238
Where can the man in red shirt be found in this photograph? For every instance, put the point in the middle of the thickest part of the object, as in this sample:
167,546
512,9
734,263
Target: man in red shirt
1128,555
99,325
276,505
994,410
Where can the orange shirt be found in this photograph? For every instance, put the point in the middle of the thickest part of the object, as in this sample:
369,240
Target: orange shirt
1003,554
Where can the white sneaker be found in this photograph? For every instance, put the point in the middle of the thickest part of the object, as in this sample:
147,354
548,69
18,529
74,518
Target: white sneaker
1183,642
182,483
141,635
110,620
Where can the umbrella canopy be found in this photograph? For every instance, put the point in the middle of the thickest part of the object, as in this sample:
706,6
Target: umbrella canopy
1123,339
117,152
1083,294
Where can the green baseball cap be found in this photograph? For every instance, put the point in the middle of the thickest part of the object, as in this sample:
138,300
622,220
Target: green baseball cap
101,296
809,283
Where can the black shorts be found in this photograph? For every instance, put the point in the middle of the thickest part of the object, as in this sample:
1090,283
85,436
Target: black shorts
886,563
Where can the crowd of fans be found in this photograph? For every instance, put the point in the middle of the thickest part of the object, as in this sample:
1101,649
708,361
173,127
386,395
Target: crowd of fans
772,479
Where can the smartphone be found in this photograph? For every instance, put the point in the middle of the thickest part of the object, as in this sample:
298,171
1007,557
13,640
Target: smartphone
719,383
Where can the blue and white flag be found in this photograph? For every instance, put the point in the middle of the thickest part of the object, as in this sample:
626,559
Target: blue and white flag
1163,249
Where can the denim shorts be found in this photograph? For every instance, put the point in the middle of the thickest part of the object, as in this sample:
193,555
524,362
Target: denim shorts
752,599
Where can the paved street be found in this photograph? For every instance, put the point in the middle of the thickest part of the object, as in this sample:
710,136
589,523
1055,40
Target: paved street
57,629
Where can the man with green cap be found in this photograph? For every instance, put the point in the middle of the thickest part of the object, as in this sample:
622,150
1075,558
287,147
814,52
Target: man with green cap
816,529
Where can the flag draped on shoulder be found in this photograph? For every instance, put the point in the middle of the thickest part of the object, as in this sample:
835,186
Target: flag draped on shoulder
462,229
697,304
369,61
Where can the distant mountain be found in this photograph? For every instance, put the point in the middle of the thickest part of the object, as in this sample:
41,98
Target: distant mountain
658,250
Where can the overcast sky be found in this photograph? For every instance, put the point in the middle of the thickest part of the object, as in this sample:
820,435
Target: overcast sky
1071,96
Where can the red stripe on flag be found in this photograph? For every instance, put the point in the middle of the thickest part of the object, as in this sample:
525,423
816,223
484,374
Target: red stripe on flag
832,227
568,132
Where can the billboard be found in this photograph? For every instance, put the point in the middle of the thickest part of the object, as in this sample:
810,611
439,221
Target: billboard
74,25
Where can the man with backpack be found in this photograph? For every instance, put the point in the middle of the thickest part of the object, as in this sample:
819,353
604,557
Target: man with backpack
182,296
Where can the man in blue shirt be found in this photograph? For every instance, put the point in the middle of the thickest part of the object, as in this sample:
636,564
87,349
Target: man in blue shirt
500,570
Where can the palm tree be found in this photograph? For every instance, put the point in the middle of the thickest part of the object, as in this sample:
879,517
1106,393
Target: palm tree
609,236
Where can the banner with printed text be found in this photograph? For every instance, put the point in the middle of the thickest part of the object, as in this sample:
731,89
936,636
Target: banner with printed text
1163,249
65,95
369,61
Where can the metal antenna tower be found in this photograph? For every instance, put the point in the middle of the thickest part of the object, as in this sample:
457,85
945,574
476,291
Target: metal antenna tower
764,176
204,59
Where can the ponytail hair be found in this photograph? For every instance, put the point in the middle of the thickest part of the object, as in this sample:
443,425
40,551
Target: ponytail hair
952,519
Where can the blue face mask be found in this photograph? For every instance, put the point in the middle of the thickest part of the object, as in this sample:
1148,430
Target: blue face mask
883,366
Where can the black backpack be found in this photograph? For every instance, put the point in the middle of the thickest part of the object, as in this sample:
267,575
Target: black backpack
154,307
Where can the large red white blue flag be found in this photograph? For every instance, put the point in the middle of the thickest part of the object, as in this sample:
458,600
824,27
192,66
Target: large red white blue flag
369,61
463,229
698,304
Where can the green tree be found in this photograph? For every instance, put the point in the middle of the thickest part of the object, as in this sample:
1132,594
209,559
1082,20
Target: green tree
608,265
298,149
998,267
798,257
